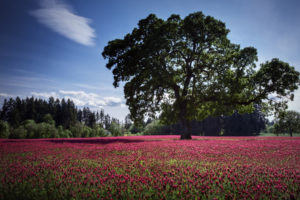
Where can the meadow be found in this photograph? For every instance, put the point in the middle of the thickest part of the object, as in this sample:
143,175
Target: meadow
151,167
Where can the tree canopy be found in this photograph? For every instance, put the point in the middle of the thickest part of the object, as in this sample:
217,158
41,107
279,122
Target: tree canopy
288,122
187,69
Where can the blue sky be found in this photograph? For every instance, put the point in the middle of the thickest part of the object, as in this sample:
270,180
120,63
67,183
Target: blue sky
53,47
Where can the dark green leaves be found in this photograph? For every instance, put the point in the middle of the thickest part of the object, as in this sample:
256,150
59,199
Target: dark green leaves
277,76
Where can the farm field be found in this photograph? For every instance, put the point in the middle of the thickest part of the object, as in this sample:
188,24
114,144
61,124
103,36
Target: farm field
151,167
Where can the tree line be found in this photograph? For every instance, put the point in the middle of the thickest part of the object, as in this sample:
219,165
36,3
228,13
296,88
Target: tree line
235,125
63,112
39,118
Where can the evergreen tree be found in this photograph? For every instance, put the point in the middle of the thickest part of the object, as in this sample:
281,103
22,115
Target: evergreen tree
102,116
79,115
128,122
107,121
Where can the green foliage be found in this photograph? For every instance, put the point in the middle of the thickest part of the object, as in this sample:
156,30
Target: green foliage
288,122
115,129
46,130
136,128
63,133
98,131
18,133
80,130
55,118
154,128
194,63
77,130
86,132
48,119
270,129
4,129
32,129
15,111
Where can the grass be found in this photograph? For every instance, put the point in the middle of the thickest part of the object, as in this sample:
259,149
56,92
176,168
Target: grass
281,134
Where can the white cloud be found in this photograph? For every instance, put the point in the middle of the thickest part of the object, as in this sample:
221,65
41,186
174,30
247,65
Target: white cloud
81,98
113,99
4,95
60,17
46,95
78,93
86,86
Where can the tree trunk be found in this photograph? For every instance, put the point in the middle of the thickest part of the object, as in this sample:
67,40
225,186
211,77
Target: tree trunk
291,133
186,131
185,123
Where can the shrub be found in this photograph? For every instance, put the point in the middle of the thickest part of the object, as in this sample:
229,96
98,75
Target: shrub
46,130
98,131
77,130
154,128
18,133
86,131
115,129
63,133
4,129
136,129
31,128
48,119
67,133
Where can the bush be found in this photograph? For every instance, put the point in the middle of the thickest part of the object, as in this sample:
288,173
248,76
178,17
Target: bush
136,129
154,128
86,131
81,130
48,119
18,133
4,129
270,129
46,130
77,130
31,128
98,131
115,129
63,133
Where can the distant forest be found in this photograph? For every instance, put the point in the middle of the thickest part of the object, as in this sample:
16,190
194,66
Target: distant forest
63,112
39,118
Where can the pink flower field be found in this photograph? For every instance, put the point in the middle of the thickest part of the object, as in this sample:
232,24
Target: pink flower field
151,167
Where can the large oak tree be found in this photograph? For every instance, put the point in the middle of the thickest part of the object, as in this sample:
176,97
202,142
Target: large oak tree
188,69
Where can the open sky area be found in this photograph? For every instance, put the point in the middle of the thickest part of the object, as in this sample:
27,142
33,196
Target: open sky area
53,47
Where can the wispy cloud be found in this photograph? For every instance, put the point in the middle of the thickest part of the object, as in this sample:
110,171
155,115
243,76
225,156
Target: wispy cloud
81,98
4,95
45,94
86,86
61,18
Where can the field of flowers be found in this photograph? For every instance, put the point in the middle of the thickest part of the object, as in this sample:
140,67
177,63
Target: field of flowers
151,167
